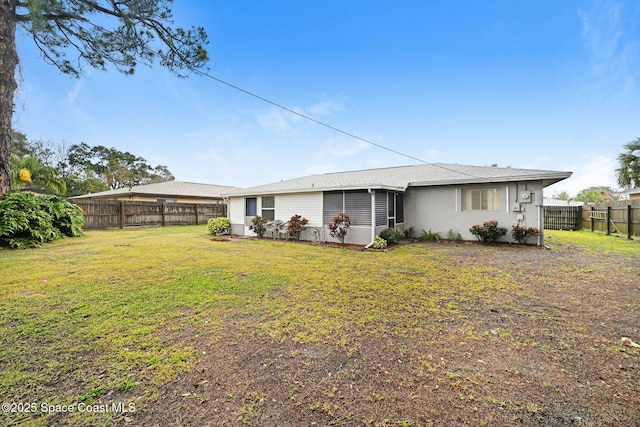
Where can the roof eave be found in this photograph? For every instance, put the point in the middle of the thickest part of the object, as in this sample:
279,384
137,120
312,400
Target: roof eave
547,179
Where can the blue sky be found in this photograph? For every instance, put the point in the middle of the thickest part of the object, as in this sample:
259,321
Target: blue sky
531,84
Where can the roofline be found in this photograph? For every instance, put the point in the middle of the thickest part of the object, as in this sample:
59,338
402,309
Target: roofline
552,176
547,178
316,190
133,193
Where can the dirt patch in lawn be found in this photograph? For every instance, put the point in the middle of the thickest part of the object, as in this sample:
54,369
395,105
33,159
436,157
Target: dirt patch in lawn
543,350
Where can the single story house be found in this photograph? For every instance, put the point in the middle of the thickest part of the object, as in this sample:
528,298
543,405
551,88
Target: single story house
634,194
167,192
440,197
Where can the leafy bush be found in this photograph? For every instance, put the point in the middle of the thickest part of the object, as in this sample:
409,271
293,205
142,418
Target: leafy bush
259,225
27,220
452,235
218,226
391,235
521,234
429,236
489,232
379,243
340,227
297,224
408,232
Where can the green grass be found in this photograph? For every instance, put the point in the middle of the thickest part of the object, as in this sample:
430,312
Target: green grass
112,315
594,241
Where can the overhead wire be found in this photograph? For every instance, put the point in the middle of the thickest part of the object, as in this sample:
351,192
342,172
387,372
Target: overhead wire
321,123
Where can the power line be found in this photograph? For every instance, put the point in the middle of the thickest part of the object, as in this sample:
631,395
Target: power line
304,116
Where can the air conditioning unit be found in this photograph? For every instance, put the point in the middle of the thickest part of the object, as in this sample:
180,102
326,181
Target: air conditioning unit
525,197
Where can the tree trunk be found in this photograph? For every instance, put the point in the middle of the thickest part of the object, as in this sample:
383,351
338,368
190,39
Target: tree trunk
8,64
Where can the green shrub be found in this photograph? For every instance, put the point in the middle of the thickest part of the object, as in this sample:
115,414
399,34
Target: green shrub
452,235
379,243
218,226
297,224
259,225
489,232
391,235
408,232
429,236
27,220
340,227
522,234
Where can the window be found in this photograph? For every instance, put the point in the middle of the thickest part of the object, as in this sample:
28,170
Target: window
356,204
480,200
251,206
166,200
399,207
268,207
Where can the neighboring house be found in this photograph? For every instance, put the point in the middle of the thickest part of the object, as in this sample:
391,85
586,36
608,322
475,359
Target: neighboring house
440,197
558,202
634,194
169,192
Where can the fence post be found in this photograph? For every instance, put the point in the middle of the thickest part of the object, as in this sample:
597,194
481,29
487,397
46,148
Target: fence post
629,222
608,220
592,218
196,206
121,213
162,209
579,219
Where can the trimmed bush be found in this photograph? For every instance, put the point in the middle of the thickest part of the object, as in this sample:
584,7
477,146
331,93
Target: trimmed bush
297,224
218,226
522,234
340,227
259,225
391,235
379,243
489,232
28,221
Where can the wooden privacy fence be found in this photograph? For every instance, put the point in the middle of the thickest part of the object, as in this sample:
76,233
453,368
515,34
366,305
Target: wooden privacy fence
563,217
617,217
101,214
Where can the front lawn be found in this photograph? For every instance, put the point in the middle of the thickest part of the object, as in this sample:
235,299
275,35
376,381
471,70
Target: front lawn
165,326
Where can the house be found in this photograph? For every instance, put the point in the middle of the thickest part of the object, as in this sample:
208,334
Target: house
440,197
562,203
169,192
634,194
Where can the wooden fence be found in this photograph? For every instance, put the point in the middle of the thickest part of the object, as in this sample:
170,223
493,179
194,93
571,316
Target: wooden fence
620,217
101,214
563,217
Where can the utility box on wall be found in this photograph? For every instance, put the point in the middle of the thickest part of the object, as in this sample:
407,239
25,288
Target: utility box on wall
526,197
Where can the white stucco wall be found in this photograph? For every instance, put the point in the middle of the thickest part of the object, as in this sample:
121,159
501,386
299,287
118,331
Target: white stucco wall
440,208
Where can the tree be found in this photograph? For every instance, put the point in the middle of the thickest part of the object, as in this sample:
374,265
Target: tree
115,168
596,195
73,33
562,196
29,172
629,170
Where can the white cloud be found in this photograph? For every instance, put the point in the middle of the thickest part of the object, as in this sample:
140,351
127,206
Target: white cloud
593,171
284,122
612,55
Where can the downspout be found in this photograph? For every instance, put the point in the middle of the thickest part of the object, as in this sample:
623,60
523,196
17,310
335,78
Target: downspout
373,218
539,204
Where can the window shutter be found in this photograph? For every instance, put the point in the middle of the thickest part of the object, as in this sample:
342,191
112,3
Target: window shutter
358,207
381,208
332,202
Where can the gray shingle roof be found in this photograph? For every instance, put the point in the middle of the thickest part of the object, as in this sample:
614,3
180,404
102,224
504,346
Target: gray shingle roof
165,189
401,177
